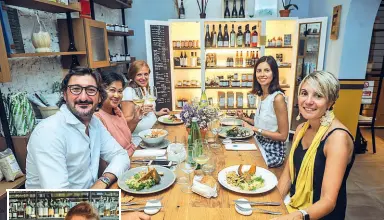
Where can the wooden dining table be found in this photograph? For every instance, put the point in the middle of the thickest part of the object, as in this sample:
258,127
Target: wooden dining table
179,205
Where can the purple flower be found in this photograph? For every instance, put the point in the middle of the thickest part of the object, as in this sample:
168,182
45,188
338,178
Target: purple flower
203,114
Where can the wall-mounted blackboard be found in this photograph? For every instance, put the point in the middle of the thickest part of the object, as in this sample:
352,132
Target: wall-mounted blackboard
161,65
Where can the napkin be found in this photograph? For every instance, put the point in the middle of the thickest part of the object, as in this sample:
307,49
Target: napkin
148,153
240,147
202,189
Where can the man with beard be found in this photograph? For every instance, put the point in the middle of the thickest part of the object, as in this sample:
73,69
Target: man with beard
64,149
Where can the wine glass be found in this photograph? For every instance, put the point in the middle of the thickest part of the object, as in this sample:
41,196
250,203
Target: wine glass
214,127
188,167
152,94
138,96
202,156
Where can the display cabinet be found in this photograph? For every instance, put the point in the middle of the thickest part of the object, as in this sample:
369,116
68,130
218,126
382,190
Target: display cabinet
56,204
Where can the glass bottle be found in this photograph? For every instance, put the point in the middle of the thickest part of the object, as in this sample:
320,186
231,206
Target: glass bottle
101,207
220,39
28,209
194,134
227,14
247,36
234,10
20,210
213,36
241,10
45,208
33,210
207,39
255,37
226,36
240,37
40,209
14,210
66,207
182,10
233,37
61,208
107,210
51,210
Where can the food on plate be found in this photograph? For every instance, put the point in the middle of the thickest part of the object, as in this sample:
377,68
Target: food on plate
172,119
237,132
155,133
144,179
209,181
245,180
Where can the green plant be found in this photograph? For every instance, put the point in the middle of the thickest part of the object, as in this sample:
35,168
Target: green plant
289,5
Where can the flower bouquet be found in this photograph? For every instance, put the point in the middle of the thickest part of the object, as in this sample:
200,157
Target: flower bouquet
203,114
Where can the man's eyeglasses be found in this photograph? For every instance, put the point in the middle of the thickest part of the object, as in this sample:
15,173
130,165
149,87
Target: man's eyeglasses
77,90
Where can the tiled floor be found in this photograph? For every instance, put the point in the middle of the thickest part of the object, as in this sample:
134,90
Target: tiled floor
365,186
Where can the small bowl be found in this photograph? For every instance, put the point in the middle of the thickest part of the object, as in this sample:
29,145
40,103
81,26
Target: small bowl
152,141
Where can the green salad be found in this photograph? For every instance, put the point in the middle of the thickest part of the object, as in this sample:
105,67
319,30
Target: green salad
143,180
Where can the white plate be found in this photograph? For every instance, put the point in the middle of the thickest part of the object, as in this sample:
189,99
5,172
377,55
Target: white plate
231,122
163,120
223,133
166,181
161,145
270,180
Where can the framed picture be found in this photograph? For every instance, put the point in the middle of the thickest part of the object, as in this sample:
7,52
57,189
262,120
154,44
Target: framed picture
335,22
266,8
287,40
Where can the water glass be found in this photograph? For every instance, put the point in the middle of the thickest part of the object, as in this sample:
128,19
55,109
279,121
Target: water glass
214,127
188,167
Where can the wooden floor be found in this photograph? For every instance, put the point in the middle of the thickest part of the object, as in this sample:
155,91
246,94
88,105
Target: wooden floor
365,186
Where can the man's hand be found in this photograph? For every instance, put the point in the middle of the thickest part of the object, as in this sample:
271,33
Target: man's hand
135,216
163,111
99,185
240,114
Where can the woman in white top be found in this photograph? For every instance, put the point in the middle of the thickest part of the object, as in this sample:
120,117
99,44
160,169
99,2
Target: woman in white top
138,77
271,119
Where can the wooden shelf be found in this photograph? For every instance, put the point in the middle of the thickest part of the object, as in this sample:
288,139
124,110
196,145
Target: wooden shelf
46,54
186,48
278,47
218,87
119,33
231,48
225,67
45,5
187,87
186,68
4,185
285,66
114,4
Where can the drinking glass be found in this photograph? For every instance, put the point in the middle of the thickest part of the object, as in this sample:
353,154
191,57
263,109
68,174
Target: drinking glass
138,96
188,167
202,155
214,127
152,94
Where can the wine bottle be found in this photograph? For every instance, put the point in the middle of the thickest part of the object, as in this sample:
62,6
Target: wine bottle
181,59
241,62
220,40
207,38
182,11
247,60
234,10
255,37
233,37
257,57
214,37
247,37
185,59
241,10
191,60
226,36
227,14
240,37
237,59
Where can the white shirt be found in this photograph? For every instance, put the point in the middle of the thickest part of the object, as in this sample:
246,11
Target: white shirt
145,123
265,117
61,155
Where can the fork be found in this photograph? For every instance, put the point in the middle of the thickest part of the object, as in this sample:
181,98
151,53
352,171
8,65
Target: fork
257,209
142,201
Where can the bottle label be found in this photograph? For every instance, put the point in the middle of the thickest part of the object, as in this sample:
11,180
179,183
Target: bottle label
182,16
247,39
254,39
220,43
226,43
240,40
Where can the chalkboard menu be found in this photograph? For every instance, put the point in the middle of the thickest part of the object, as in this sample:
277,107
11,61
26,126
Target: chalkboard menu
161,65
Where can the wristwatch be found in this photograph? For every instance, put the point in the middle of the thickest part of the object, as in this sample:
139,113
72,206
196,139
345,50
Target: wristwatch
105,180
305,214
259,131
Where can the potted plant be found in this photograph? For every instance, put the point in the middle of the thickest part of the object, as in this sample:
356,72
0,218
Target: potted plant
287,8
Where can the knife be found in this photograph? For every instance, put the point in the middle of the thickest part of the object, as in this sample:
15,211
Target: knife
257,203
141,208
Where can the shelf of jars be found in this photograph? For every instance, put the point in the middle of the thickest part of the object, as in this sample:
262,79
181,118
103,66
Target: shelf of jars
45,54
120,33
187,87
55,205
115,4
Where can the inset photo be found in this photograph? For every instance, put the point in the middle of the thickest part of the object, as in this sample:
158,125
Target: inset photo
64,204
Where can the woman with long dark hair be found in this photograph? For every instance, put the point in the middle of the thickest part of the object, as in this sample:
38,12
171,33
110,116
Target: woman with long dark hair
271,119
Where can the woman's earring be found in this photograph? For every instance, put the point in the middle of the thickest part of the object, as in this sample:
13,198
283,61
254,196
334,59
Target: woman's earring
326,119
298,117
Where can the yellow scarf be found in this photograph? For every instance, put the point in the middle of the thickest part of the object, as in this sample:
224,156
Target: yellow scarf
304,183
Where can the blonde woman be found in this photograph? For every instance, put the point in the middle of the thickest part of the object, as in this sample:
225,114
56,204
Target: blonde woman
321,155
